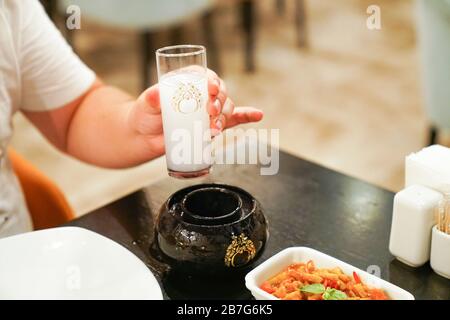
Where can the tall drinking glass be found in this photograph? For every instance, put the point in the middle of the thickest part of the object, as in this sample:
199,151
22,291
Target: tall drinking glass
183,89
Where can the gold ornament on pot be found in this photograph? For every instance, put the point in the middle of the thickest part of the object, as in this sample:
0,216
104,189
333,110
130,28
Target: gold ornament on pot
240,251
187,98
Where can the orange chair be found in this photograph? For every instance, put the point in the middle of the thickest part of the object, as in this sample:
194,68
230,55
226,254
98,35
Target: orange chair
46,203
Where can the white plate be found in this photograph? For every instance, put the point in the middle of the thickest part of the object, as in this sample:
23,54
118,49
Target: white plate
72,263
281,260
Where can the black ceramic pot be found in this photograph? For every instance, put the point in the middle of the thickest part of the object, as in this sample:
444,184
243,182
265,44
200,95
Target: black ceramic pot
210,228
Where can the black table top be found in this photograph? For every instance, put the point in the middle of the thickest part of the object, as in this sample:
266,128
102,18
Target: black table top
306,205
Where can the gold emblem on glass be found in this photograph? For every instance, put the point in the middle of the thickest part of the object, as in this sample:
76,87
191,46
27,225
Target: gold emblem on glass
240,251
186,95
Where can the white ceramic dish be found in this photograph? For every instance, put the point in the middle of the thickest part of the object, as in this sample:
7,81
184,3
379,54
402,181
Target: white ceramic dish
278,262
72,263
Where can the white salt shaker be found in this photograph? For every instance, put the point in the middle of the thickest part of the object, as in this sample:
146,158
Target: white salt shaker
412,221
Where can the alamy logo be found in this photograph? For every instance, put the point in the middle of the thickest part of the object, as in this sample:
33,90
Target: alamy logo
374,270
73,278
250,146
73,20
373,22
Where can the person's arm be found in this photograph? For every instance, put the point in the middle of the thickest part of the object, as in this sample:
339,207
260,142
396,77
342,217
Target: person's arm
109,128
82,116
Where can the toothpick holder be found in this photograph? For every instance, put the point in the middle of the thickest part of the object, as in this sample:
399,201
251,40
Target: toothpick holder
440,253
412,221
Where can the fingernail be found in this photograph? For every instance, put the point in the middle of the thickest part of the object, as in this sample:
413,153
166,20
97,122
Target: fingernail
219,124
217,105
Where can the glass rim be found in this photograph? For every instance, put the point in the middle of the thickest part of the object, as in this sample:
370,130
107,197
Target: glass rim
199,50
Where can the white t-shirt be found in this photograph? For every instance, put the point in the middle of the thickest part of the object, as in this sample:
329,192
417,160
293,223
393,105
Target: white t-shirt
38,72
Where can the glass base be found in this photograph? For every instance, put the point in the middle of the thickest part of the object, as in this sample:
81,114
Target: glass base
188,175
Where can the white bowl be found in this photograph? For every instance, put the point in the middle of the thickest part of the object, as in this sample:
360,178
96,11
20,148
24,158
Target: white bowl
72,263
288,256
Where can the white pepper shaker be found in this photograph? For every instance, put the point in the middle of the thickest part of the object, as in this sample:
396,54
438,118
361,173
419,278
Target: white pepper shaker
412,221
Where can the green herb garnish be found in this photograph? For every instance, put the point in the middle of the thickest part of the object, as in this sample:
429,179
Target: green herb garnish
334,294
327,293
316,288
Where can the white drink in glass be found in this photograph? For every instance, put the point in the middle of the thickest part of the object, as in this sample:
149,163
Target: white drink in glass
184,98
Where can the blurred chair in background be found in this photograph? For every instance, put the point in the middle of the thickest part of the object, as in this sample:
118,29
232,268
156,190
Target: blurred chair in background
434,39
248,25
149,17
300,20
46,203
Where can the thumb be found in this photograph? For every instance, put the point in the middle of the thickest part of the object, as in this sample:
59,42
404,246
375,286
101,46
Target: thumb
149,100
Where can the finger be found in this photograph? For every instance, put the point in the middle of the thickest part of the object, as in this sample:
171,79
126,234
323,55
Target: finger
228,110
213,86
218,101
213,83
223,87
220,122
211,74
149,100
244,115
222,97
222,91
214,108
217,124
